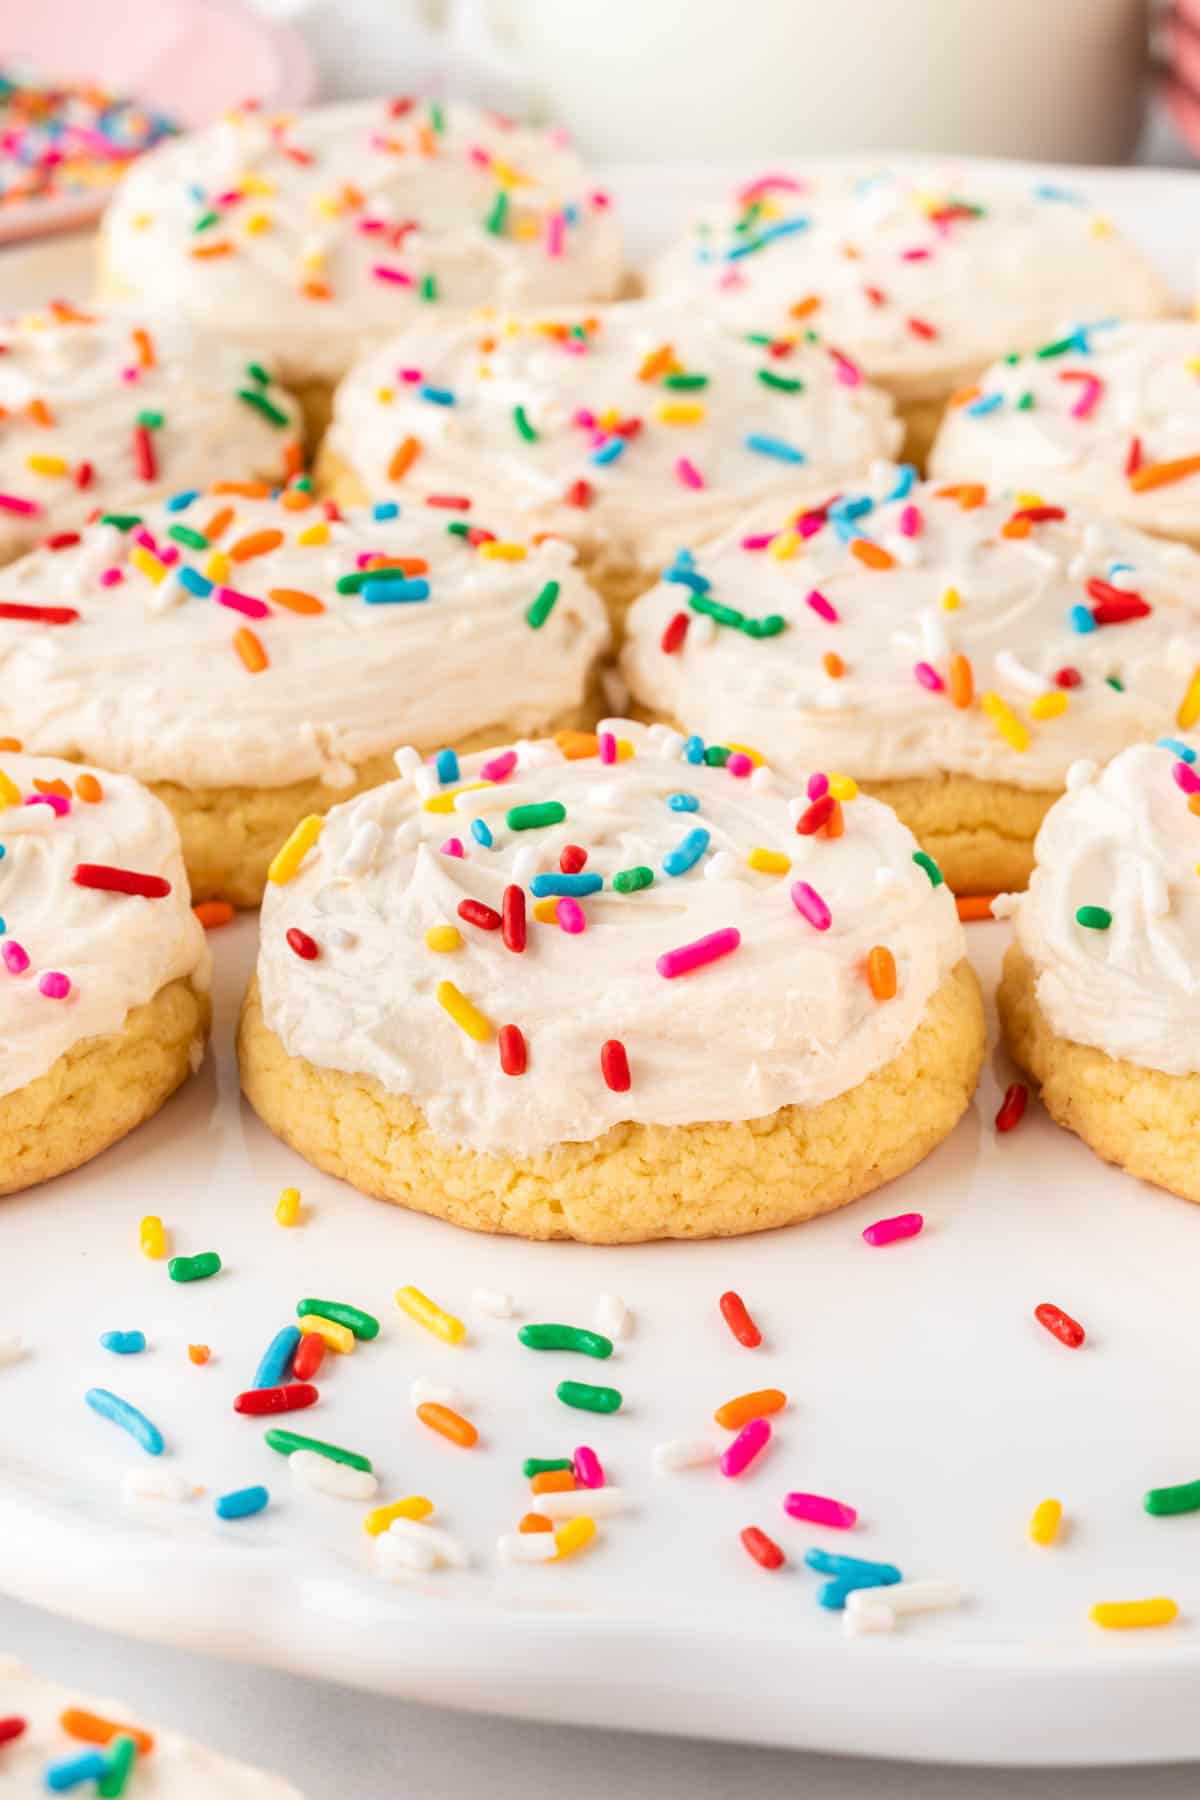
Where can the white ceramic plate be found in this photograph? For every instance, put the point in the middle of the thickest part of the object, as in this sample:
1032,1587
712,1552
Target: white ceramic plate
922,1392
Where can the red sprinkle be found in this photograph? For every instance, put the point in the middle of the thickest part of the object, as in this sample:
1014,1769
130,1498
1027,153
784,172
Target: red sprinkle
572,859
120,881
1068,678
479,534
290,1398
476,913
514,1056
513,917
144,459
45,615
61,540
1039,515
12,1728
675,633
449,502
84,475
579,494
302,944
733,1311
817,815
614,1065
1059,1324
1012,1107
764,1550
922,328
310,1354
1133,460
1120,612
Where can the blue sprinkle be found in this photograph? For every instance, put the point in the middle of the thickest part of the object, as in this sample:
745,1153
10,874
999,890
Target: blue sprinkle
3,927
437,396
693,749
830,1562
906,479
833,1594
72,1771
119,1412
446,764
543,886
481,831
769,446
609,452
386,590
785,228
570,213
986,403
181,502
1080,619
688,578
683,559
1048,190
276,1363
123,1343
852,506
1119,568
195,192
683,803
194,581
1184,752
243,1503
385,509
687,852
3,852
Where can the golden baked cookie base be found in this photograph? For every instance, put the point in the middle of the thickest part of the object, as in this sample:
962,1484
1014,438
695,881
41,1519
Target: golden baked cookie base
637,1182
980,833
101,1088
1146,1122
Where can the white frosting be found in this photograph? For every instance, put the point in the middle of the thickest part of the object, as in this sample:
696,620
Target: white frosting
886,268
788,1018
116,950
1123,839
72,387
1013,623
1066,424
175,1769
695,455
149,680
314,204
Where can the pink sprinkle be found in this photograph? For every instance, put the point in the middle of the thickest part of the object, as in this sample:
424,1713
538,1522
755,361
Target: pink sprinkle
702,950
385,272
758,541
479,156
242,603
453,847
411,376
688,473
53,985
600,201
168,556
732,278
818,786
928,677
131,374
142,536
911,522
59,805
556,234
809,904
750,1441
820,1511
1092,388
888,1231
581,416
12,503
16,961
588,1472
915,255
370,225
823,608
499,768
763,184
111,577
847,372
1186,778
739,764
608,747
570,915
810,524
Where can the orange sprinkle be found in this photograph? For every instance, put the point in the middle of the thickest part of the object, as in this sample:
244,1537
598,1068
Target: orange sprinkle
144,345
293,459
1192,807
11,743
316,290
199,1354
969,494
219,524
659,362
248,490
881,972
207,252
1019,526
53,787
296,499
736,1413
40,413
249,648
873,555
403,458
408,565
90,1728
257,543
1162,474
535,1522
451,1424
88,789
296,600
962,681
833,664
803,309
212,914
553,1481
835,824
427,140
965,395
974,906
575,745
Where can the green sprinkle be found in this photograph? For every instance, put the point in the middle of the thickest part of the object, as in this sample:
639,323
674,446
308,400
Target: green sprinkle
759,337
287,1441
194,1268
541,608
544,1465
183,534
586,1398
1014,356
1027,402
122,1754
206,221
363,1324
122,521
353,583
1058,347
1114,681
524,428
303,483
437,116
458,528
428,288
927,863
1182,1499
686,383
260,403
713,609
1096,918
770,626
716,756
565,1337
153,421
785,384
527,818
628,881
499,213
256,372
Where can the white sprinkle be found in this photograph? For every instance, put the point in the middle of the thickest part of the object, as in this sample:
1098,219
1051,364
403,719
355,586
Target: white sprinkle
540,753
1004,906
680,1453
168,594
424,1392
906,1597
797,806
404,1553
525,864
582,1503
315,1471
702,632
11,1347
526,1547
872,1615
1127,580
605,796
156,1484
497,1306
722,865
1080,773
446,1548
1012,670
611,1316
360,853
407,760
935,639
426,781
762,779
666,743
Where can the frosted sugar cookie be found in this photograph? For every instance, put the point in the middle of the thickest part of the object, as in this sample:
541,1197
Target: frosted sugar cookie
1100,998
103,409
952,650
628,429
255,659
305,235
104,970
1107,416
922,274
616,987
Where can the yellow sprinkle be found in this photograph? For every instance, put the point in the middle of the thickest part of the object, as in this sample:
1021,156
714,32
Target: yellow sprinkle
314,534
498,552
466,1016
1101,226
338,1337
1192,364
287,860
1189,706
48,465
443,938
843,787
680,412
1046,1520
505,173
151,568
769,862
756,756
1049,705
1005,720
257,223
328,205
546,912
380,1517
1128,1615
10,793
152,1238
1023,500
951,600
444,801
422,1309
385,396
575,1535
217,566
526,229
624,749
287,1207
784,544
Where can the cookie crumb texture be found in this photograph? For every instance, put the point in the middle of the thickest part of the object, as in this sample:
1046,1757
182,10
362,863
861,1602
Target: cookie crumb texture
636,1182
1146,1122
980,833
101,1088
